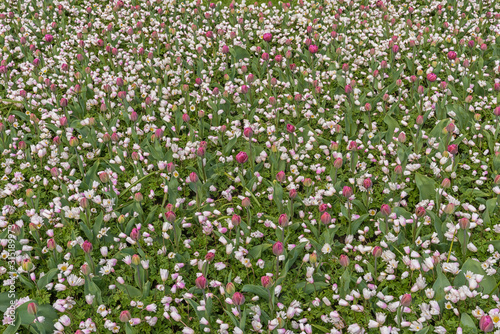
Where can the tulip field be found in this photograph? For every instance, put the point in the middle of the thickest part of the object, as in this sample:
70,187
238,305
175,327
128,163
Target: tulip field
186,167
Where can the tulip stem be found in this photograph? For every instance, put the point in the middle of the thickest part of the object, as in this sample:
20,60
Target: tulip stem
237,243
277,268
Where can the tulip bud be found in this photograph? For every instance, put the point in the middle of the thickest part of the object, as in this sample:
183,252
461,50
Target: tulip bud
326,218
280,176
87,246
307,182
266,281
170,217
385,209
209,257
51,244
242,157
238,298
193,177
347,191
85,269
344,260
420,211
30,193
138,197
449,208
406,300
236,220
125,316
230,288
338,163
32,308
377,251
245,202
201,282
278,248
283,220
464,223
136,260
486,324
446,183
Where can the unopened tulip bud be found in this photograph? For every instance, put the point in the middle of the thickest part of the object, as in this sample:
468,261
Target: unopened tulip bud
278,248
193,177
32,308
85,269
420,211
136,260
280,176
326,218
51,244
236,220
266,281
201,282
238,298
406,300
87,246
230,288
464,223
338,163
385,209
344,260
446,183
125,316
377,251
449,208
245,202
27,265
347,191
486,324
283,220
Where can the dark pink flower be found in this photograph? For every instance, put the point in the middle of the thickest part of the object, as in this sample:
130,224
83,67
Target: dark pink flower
241,157
431,77
313,48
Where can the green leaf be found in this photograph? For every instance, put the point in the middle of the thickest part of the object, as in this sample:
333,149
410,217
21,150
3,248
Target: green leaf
26,282
488,283
392,124
425,330
229,146
256,290
47,278
292,256
309,288
239,53
468,324
321,328
426,186
130,290
256,251
278,196
439,285
86,230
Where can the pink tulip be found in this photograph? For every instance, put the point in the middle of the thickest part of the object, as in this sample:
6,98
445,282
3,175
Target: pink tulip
278,248
241,157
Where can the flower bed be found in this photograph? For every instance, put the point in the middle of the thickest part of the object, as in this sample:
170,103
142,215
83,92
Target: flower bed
315,167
